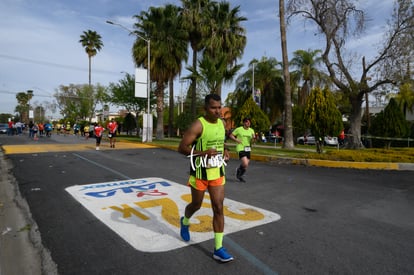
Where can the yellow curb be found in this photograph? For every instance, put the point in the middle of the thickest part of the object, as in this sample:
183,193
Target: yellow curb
355,165
317,162
45,148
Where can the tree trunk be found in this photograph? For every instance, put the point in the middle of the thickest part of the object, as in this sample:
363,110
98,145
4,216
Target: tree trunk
288,133
194,88
171,109
160,111
90,70
354,134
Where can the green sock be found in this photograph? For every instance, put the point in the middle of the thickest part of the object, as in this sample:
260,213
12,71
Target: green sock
186,221
218,240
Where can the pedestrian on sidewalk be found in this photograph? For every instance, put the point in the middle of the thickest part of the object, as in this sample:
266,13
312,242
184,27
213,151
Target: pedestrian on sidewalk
243,136
203,143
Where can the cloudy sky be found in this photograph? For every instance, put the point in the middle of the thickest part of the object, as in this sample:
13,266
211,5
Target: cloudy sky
40,49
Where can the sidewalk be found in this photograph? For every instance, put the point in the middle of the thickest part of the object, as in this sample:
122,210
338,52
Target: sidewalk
21,250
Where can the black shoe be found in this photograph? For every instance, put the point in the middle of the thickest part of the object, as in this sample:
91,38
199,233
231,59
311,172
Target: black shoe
241,179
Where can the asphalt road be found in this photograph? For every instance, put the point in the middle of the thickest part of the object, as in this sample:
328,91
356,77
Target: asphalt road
333,220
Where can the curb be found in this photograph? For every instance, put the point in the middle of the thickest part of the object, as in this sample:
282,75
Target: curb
322,163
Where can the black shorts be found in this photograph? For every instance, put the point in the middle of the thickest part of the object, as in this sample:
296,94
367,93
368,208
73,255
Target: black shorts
112,135
98,139
244,154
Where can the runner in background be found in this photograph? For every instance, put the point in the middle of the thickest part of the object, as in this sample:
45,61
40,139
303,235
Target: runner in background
243,135
112,128
98,131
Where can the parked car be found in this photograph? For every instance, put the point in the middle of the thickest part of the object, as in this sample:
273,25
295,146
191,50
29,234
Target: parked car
4,127
310,140
328,140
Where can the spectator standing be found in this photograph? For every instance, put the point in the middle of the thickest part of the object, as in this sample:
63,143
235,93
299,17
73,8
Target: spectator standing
341,137
243,135
48,129
91,130
10,130
41,129
86,131
35,130
58,128
67,128
19,127
31,124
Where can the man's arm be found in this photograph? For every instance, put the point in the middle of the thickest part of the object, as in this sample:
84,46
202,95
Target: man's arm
234,138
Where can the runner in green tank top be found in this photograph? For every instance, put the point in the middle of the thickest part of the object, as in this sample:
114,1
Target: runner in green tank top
243,135
203,143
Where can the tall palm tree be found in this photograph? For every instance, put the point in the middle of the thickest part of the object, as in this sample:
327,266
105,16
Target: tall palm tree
288,118
194,21
23,107
225,41
92,42
306,63
405,98
268,79
168,49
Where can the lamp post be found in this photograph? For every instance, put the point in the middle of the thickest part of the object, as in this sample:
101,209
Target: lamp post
148,115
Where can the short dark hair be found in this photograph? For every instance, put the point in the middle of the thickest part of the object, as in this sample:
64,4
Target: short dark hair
214,97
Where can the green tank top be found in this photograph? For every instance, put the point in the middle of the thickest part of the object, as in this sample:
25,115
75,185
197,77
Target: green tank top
213,136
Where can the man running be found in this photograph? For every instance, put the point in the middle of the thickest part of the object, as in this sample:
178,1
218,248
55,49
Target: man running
243,135
203,143
112,128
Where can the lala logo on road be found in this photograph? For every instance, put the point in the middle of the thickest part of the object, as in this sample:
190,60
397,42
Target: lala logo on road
146,212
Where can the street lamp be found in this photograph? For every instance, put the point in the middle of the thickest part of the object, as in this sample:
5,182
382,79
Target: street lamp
148,115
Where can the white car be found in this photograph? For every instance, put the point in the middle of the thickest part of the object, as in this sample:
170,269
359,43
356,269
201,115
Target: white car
310,140
328,140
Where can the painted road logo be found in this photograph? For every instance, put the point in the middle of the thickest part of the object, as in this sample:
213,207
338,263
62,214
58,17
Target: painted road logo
145,212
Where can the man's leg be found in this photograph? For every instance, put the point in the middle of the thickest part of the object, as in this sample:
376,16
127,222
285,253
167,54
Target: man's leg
197,197
217,199
243,166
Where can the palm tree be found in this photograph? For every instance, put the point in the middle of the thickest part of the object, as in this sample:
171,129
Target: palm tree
168,49
194,21
92,43
23,107
268,79
225,41
306,63
405,98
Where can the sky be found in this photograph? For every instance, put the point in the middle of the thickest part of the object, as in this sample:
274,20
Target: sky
40,49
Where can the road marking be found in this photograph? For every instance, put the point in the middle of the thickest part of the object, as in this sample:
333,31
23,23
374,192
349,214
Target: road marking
145,212
46,148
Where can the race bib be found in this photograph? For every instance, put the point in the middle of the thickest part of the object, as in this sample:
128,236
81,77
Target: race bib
247,148
215,161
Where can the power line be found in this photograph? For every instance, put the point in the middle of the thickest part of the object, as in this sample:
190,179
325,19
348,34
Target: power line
45,63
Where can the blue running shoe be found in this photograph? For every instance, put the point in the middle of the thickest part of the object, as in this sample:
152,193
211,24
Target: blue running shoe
222,255
184,232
